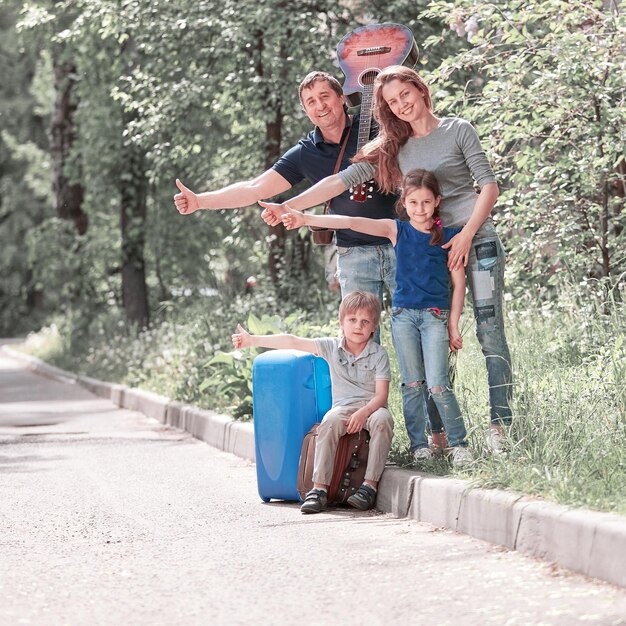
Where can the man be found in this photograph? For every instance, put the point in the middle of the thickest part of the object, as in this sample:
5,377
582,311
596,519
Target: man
364,262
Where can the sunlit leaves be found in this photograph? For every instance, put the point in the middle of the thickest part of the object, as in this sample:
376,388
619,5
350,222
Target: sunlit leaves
549,99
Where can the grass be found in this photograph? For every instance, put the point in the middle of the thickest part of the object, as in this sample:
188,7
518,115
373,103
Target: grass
567,441
568,437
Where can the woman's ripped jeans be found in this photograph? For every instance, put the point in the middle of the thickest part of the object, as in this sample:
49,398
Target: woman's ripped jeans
485,278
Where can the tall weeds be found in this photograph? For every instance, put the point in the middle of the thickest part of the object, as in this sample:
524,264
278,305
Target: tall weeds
568,438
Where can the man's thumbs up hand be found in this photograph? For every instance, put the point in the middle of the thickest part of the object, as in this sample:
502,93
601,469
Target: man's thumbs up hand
186,201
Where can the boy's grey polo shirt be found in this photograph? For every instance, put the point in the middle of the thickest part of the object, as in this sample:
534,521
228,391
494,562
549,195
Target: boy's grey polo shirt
353,377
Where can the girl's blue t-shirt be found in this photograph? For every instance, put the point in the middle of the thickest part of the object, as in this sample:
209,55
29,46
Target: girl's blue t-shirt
422,276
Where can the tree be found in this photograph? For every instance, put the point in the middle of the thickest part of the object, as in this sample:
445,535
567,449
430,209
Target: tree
25,194
549,93
148,92
69,195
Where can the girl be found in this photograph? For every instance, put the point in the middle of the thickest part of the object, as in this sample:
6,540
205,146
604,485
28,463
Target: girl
425,317
410,136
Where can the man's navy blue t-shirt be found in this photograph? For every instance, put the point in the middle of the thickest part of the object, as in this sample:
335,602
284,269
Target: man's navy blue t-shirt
314,159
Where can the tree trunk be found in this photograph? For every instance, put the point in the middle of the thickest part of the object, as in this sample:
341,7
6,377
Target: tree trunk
133,194
277,254
133,226
69,197
278,239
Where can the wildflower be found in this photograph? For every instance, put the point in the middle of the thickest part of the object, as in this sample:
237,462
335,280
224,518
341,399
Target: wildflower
471,27
457,25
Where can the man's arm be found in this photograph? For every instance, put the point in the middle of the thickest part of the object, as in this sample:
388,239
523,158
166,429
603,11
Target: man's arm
243,339
357,420
235,196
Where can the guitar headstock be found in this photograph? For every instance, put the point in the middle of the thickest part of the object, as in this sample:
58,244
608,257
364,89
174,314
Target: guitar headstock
362,192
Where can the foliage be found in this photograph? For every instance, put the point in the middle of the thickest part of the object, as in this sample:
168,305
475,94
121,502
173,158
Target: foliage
25,182
548,91
188,354
566,442
206,95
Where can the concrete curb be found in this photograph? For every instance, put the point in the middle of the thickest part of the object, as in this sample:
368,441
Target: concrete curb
581,540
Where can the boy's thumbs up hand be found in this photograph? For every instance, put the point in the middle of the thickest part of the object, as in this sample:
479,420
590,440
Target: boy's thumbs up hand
242,338
186,201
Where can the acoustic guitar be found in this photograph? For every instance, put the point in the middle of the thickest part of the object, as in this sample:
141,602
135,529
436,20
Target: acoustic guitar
362,54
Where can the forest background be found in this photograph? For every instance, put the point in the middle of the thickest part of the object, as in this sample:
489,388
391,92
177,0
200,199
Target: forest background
104,103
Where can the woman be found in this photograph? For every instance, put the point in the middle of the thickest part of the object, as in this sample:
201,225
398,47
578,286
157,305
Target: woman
412,136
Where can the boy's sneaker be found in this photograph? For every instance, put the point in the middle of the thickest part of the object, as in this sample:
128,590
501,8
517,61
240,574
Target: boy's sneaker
363,498
461,456
315,501
423,454
494,441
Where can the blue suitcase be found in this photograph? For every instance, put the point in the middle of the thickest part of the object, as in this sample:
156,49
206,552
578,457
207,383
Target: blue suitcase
291,392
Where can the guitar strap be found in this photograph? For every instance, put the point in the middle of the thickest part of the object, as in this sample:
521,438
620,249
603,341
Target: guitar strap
339,158
324,236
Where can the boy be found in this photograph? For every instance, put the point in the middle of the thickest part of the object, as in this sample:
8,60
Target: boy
360,375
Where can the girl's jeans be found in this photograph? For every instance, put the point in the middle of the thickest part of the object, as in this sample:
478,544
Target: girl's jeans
420,337
485,278
371,269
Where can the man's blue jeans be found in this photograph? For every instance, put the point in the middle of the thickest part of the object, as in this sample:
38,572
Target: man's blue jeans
367,268
420,337
485,278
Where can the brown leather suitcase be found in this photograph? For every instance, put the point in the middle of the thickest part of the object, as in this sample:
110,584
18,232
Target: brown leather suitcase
349,468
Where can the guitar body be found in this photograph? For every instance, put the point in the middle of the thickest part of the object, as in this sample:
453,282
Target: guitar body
362,55
366,51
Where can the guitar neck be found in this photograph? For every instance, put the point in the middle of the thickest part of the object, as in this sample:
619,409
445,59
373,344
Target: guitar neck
365,119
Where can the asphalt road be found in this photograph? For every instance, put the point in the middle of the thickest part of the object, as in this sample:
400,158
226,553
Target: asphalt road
108,517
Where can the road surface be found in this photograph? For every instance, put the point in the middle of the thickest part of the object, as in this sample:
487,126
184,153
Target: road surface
108,517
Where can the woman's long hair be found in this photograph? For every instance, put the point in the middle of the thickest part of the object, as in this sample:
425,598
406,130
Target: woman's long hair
421,179
382,152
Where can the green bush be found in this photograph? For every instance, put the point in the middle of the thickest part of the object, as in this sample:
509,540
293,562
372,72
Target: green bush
568,434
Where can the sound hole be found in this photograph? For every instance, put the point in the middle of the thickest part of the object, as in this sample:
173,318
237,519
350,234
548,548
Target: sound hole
368,78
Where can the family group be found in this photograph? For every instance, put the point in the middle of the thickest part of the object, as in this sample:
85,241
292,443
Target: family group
424,232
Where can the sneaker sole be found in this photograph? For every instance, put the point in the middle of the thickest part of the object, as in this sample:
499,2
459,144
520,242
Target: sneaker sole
310,511
358,505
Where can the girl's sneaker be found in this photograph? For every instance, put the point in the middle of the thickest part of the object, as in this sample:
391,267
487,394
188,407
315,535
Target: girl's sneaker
461,456
423,454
